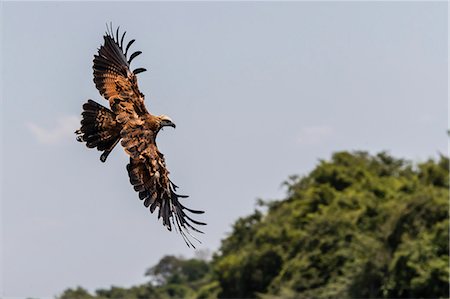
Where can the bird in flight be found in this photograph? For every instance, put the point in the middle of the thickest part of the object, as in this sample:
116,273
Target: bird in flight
129,121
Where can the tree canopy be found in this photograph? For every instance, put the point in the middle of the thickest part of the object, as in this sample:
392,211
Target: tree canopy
357,226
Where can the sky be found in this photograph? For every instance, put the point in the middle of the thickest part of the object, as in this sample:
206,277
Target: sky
259,91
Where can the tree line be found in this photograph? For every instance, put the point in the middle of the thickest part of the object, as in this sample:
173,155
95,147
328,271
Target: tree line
357,226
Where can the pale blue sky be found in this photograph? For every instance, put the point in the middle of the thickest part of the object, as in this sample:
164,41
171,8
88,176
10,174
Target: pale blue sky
259,91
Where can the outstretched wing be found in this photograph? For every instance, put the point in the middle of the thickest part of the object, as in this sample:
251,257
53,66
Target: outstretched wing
150,178
114,79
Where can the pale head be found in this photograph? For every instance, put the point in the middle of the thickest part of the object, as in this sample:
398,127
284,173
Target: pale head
165,121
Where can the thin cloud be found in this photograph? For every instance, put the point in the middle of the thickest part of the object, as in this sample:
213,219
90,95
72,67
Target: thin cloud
314,135
64,130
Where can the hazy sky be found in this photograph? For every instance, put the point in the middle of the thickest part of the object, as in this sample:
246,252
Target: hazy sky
259,91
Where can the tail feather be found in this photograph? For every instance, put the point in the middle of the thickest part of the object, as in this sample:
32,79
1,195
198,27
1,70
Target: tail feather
99,128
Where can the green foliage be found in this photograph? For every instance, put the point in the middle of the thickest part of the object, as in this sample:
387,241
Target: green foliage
358,226
171,277
167,270
177,270
137,292
78,293
209,291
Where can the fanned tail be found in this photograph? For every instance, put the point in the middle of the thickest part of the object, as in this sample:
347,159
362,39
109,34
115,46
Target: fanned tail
99,128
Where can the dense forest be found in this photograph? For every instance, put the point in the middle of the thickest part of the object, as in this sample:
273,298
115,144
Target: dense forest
357,226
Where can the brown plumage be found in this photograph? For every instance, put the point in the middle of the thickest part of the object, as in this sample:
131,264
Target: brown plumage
129,121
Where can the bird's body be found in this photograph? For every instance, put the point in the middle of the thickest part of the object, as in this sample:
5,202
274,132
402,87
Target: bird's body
129,121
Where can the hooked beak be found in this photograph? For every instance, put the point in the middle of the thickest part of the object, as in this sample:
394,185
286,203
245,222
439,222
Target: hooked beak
168,123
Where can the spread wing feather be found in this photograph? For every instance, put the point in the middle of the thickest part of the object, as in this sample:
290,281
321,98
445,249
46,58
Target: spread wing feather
114,79
149,177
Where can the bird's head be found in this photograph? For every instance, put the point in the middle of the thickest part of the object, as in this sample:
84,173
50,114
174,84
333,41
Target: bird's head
165,121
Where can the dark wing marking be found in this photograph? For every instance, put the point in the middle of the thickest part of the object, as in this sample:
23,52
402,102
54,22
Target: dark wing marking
113,78
150,178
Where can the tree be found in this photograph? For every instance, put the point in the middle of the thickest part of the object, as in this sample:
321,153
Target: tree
356,226
78,293
176,270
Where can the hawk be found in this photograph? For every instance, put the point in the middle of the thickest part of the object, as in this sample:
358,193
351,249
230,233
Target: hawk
129,122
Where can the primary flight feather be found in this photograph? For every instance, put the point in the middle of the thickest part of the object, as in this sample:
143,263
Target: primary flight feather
129,121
